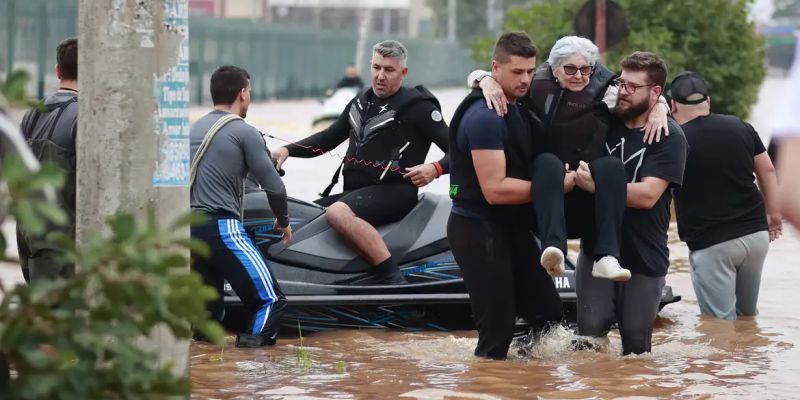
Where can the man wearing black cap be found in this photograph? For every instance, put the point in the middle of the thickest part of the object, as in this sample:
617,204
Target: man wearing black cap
721,213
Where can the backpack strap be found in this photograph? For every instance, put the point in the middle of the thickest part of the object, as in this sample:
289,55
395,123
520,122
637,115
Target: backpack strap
29,123
201,151
334,181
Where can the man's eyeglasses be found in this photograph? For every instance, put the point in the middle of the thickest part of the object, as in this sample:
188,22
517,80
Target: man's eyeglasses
572,70
629,87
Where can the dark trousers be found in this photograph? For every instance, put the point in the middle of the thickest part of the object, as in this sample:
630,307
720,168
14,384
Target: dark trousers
234,258
633,304
595,217
41,260
500,267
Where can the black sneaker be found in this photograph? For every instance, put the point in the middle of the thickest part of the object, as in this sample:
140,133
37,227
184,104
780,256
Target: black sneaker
245,340
270,334
199,337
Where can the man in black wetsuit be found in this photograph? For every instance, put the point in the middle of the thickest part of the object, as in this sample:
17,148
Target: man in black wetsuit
390,130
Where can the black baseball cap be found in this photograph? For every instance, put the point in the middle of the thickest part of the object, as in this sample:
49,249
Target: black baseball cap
689,88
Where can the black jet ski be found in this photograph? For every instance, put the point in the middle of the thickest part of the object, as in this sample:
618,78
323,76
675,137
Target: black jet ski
315,267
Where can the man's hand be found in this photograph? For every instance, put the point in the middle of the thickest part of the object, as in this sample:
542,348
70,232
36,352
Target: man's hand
569,181
279,156
584,178
286,233
775,222
656,124
494,95
421,175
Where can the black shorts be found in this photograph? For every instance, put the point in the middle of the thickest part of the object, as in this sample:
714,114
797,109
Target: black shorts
377,204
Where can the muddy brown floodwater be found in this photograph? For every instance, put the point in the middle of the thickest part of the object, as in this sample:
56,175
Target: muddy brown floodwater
693,356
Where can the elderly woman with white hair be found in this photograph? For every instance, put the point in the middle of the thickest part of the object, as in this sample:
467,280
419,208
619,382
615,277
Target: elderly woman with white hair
572,96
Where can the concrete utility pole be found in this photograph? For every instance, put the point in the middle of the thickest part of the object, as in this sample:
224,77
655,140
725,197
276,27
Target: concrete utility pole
133,146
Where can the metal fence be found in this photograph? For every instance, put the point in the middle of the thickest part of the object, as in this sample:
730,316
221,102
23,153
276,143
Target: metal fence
29,34
283,61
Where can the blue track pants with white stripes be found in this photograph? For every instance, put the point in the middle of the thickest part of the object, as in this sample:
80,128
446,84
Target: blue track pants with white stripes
235,259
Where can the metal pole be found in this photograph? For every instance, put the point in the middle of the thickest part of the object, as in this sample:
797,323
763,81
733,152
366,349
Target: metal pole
11,17
500,15
133,150
490,18
387,22
41,64
361,43
600,25
451,20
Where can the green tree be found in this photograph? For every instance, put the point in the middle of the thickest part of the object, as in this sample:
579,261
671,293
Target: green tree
78,338
712,37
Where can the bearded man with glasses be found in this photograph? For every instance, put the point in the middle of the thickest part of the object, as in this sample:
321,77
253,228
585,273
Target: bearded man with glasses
652,171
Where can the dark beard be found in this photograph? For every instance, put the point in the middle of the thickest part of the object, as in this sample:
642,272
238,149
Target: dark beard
633,111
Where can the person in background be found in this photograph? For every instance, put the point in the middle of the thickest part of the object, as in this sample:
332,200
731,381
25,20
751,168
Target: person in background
51,133
350,79
722,215
787,129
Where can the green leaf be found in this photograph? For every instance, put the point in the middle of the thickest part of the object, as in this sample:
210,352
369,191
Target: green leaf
123,226
213,331
26,214
36,358
52,213
195,246
190,218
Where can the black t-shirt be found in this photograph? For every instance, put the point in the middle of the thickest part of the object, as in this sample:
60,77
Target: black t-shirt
480,129
644,231
719,200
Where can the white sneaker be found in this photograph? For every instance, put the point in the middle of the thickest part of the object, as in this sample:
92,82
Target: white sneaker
608,267
552,261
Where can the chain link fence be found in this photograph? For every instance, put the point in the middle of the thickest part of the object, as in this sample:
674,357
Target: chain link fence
283,61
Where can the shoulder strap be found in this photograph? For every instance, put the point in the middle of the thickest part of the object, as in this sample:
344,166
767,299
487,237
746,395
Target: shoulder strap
61,107
29,123
201,151
334,181
427,95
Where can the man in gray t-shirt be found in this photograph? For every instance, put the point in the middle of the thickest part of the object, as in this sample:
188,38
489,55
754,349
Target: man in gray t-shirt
219,167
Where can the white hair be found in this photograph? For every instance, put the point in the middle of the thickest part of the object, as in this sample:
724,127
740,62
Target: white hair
569,46
392,49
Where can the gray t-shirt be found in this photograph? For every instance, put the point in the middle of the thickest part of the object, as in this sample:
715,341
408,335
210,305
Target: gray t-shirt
236,150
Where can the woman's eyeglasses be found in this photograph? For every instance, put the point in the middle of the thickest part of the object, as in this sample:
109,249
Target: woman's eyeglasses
572,70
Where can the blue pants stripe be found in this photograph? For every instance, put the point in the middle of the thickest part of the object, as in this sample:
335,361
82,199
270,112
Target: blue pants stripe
232,234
